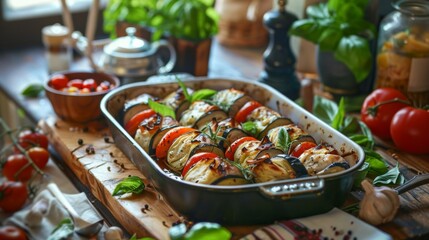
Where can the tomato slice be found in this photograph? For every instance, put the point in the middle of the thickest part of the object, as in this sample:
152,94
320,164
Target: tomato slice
166,141
302,147
196,158
246,110
132,125
230,151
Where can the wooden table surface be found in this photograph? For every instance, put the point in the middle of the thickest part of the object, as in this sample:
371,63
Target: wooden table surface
20,67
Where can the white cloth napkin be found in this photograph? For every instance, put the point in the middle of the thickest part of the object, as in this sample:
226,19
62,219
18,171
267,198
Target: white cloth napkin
54,214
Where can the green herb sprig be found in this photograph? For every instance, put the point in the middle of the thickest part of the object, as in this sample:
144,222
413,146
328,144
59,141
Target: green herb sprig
200,94
162,109
132,184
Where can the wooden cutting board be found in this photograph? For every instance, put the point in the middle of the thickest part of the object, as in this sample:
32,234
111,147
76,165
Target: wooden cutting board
91,155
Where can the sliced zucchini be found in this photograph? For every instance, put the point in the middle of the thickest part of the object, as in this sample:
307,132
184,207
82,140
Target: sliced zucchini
216,115
195,111
230,135
300,139
132,110
335,167
226,98
281,121
180,150
156,138
230,180
183,106
207,147
296,165
237,104
270,152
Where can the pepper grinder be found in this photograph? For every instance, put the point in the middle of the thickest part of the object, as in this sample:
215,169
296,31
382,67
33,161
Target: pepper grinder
279,61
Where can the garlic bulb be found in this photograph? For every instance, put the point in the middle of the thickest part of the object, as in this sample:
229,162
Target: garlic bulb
113,233
37,212
379,205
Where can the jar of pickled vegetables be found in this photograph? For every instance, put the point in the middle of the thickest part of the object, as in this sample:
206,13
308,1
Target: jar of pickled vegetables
403,50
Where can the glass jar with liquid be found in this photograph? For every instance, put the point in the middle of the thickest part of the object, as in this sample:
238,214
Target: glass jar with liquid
403,50
58,52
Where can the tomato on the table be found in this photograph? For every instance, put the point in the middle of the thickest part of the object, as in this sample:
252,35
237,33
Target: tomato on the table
196,158
166,141
379,119
246,110
410,130
10,232
132,125
302,147
77,83
90,84
40,156
13,196
59,81
230,151
13,164
29,138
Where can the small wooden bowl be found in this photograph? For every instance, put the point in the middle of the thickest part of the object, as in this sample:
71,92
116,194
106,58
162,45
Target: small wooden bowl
79,107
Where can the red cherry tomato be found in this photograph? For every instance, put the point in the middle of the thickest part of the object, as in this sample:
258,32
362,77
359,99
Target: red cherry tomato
77,83
40,156
196,158
410,131
90,84
246,110
13,164
132,125
166,141
105,85
300,148
230,151
28,139
10,232
13,196
379,121
59,81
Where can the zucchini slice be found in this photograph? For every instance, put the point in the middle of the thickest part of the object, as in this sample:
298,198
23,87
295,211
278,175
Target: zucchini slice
206,118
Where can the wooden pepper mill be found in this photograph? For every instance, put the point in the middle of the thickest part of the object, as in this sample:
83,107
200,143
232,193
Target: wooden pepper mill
279,61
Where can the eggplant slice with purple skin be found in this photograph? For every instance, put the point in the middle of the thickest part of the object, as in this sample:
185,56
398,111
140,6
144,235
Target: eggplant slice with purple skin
134,106
215,171
209,117
197,110
230,100
273,168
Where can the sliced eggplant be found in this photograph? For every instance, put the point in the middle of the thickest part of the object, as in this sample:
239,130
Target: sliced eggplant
297,166
335,167
140,99
133,110
300,139
156,138
275,168
195,111
237,104
270,152
175,98
207,118
230,100
280,121
207,147
149,127
230,135
183,106
230,180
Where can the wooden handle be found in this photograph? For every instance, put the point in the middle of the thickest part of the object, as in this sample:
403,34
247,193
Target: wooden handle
53,188
67,19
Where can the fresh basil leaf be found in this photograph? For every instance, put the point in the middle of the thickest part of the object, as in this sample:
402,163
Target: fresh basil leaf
338,120
184,89
360,139
202,94
207,231
324,109
350,125
63,230
132,184
377,165
358,47
367,132
32,90
283,142
318,11
329,39
392,177
350,11
361,174
161,109
308,29
250,127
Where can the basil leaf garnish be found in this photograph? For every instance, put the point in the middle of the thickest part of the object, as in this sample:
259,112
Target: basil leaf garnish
132,184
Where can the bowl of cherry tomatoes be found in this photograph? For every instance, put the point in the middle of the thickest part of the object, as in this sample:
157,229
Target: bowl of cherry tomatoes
76,96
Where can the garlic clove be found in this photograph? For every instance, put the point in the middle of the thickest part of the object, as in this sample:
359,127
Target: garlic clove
113,233
36,213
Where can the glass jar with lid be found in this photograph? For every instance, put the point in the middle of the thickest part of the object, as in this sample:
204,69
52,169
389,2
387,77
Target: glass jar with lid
403,50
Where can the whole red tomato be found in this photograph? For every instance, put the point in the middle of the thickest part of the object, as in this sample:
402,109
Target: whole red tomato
13,164
410,130
12,233
378,117
29,138
13,196
40,156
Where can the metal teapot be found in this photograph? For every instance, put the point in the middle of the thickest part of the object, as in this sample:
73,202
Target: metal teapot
129,56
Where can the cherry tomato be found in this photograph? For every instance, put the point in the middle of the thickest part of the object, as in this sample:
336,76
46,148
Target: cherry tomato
166,141
13,196
410,131
300,148
10,232
59,81
132,125
379,121
246,110
90,84
28,139
77,83
40,156
13,164
105,85
196,158
230,151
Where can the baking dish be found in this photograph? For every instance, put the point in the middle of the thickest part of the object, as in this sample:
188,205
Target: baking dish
257,203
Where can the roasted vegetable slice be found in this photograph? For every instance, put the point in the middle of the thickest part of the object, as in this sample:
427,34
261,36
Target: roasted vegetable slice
150,126
195,111
318,158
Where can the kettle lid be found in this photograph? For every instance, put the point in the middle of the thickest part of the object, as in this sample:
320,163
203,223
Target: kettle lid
128,44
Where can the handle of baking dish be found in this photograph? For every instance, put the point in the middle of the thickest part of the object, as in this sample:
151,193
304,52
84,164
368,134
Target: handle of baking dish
293,188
